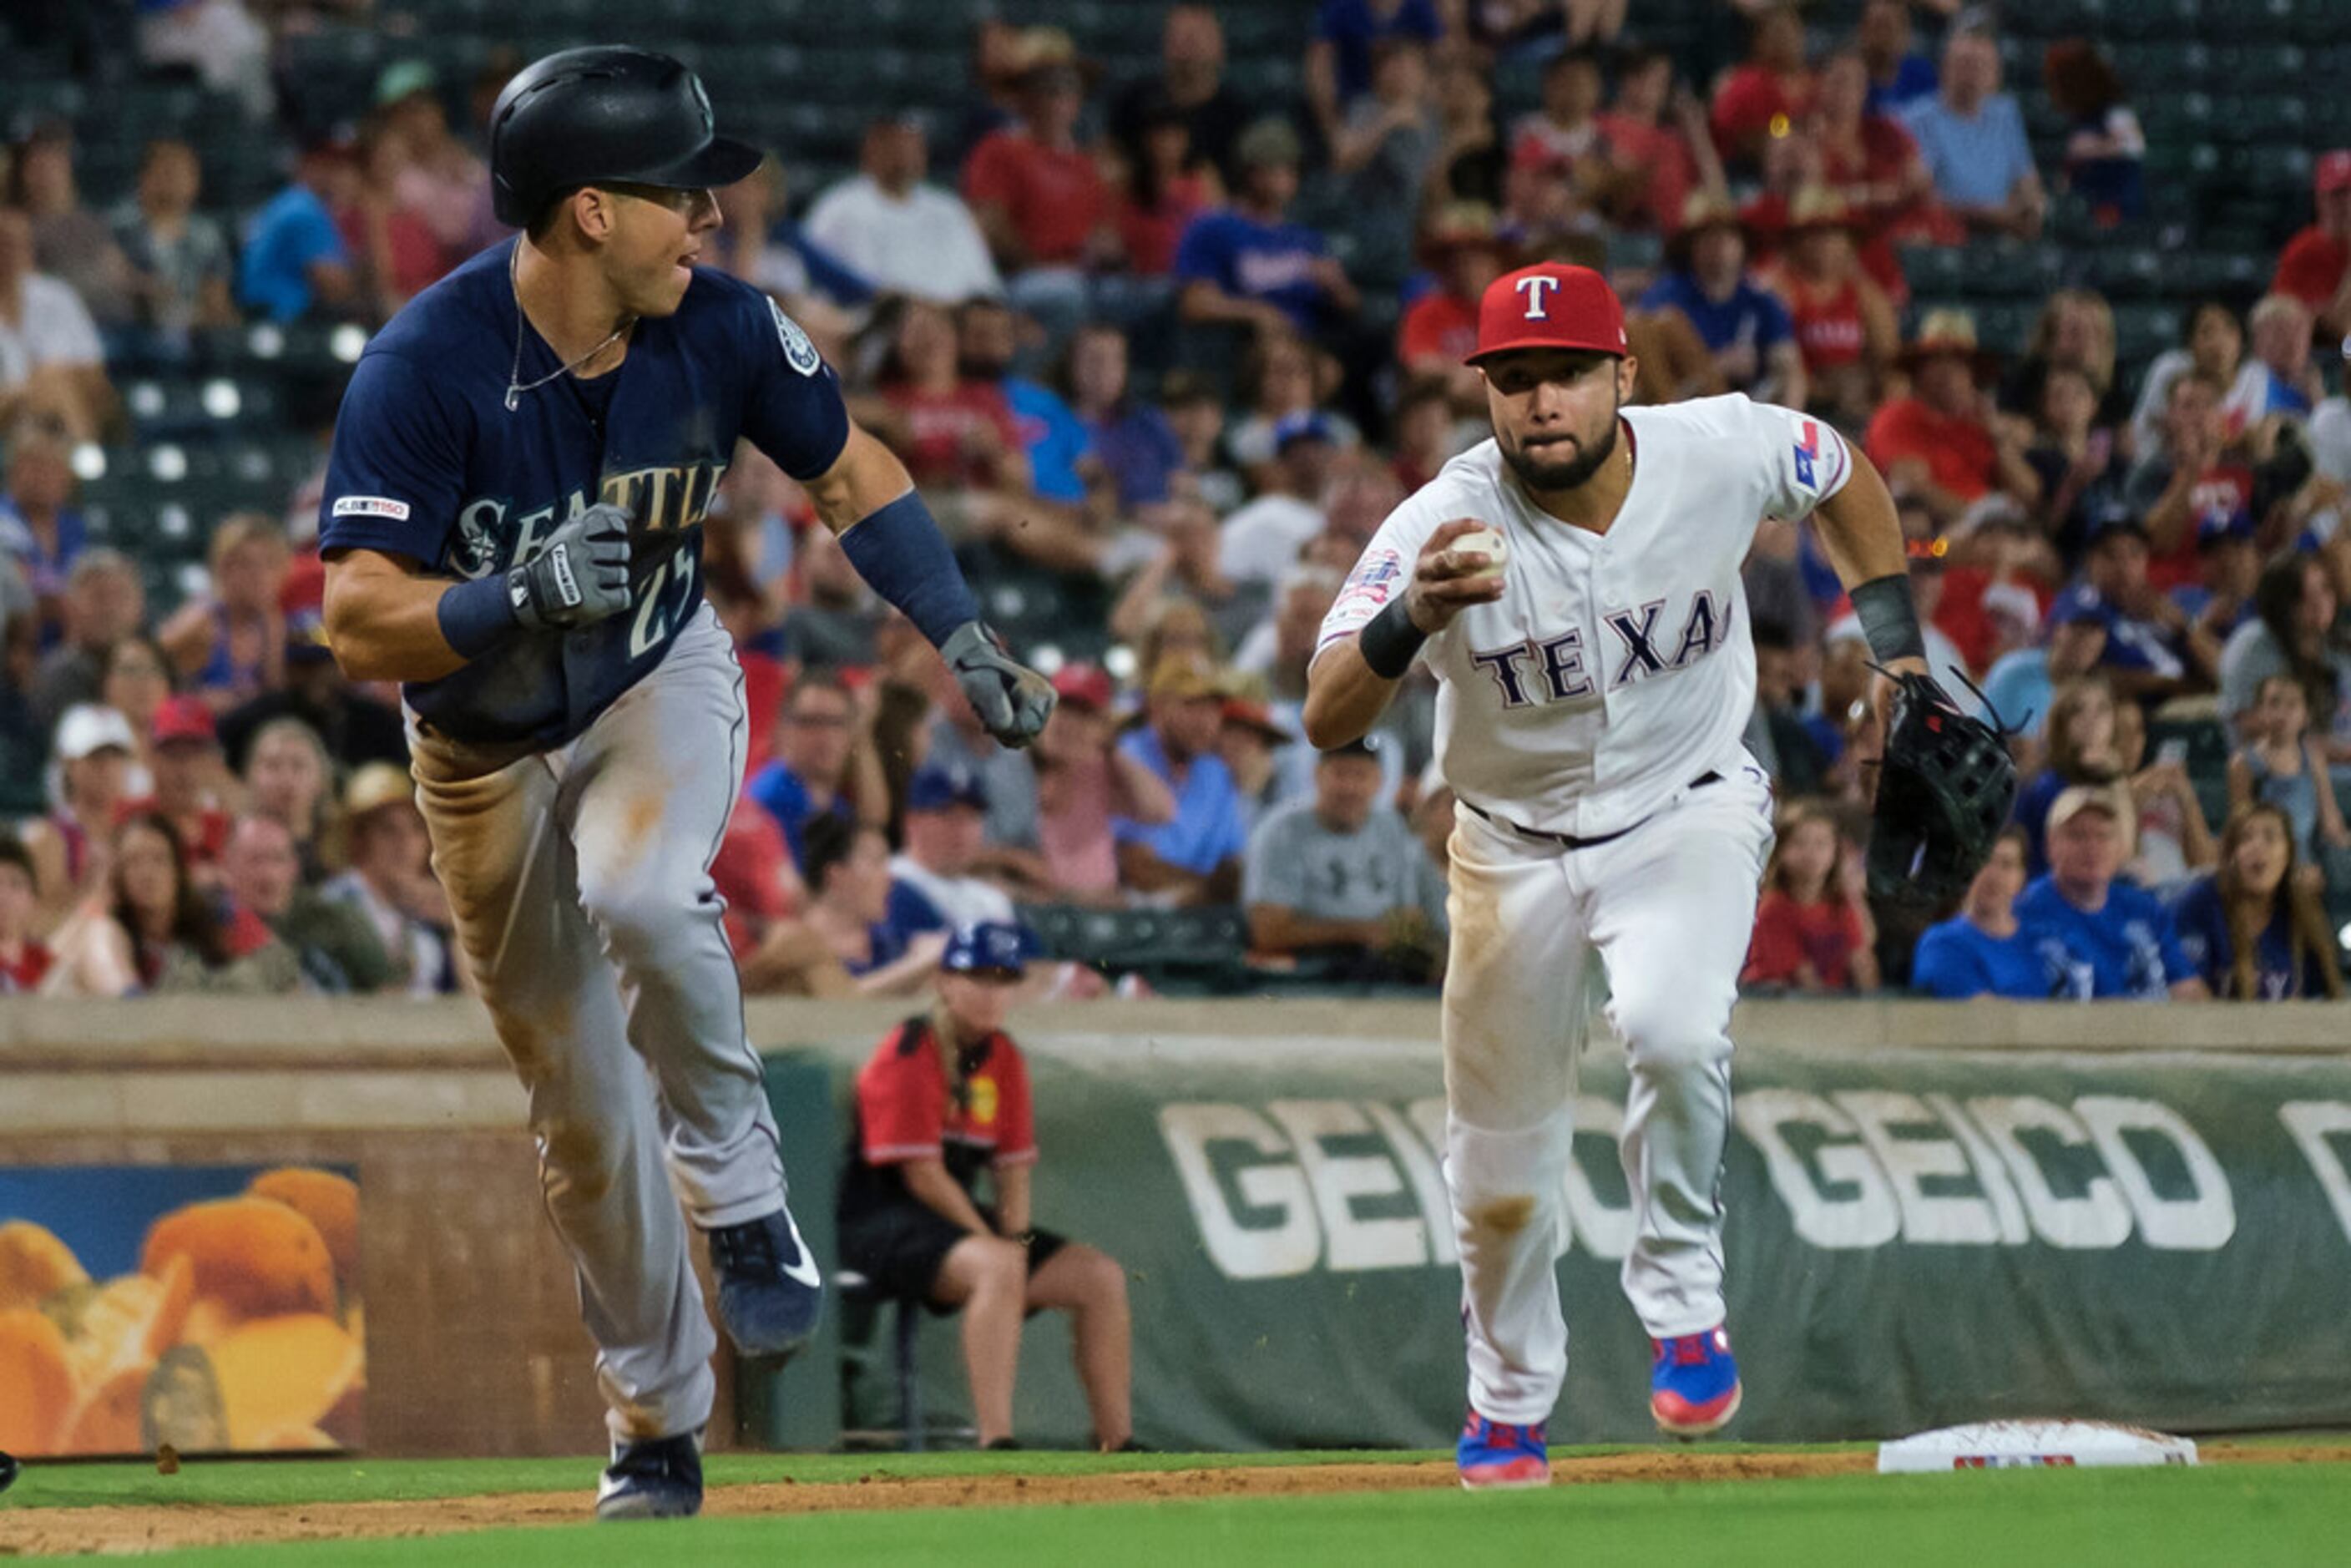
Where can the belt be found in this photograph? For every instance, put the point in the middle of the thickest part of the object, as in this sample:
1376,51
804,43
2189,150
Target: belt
1569,841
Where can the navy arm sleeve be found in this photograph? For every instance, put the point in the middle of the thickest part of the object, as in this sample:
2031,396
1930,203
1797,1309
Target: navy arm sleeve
791,408
398,468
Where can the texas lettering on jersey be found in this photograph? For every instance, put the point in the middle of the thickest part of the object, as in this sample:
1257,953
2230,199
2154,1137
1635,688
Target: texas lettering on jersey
1553,670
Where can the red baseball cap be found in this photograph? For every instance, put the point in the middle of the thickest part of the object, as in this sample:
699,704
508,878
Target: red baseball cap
2333,171
1549,306
182,718
1085,684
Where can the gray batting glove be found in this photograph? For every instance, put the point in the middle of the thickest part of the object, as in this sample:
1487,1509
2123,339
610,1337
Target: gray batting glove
1012,700
579,577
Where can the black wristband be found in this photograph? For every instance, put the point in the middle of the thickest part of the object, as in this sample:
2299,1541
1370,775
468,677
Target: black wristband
1889,618
1389,641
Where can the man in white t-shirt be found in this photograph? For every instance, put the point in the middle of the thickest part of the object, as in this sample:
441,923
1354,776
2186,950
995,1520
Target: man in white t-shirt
1574,583
903,236
52,367
1261,541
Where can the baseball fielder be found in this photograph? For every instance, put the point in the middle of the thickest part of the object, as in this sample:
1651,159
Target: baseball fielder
1591,692
512,530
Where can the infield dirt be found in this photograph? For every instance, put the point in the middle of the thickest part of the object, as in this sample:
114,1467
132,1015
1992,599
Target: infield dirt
167,1526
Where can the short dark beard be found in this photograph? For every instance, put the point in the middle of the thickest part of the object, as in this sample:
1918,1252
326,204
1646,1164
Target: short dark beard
1545,478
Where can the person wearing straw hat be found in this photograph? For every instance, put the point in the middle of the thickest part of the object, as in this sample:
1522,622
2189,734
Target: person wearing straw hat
1943,443
1746,328
390,882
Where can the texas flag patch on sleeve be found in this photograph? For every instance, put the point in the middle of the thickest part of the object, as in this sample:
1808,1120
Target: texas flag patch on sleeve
1368,587
1820,457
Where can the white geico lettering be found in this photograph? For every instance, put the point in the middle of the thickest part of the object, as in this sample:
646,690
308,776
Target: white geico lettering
1532,287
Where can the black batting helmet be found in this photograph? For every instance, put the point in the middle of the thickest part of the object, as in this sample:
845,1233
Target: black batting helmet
607,112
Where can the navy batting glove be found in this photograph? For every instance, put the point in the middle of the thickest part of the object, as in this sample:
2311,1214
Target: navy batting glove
579,577
1012,700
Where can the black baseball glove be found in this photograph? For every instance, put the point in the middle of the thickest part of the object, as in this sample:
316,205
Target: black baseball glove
1944,790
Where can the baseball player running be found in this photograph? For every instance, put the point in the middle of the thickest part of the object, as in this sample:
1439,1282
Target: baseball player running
1574,584
512,530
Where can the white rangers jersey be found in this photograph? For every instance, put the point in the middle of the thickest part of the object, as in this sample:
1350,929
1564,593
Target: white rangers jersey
1617,667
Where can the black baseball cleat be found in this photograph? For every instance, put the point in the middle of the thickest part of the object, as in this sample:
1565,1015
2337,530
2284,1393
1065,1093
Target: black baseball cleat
770,1293
656,1477
7,1471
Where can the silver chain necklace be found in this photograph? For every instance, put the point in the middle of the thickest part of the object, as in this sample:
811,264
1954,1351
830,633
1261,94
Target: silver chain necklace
515,385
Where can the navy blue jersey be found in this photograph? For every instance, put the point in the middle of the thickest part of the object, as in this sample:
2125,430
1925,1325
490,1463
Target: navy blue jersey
429,463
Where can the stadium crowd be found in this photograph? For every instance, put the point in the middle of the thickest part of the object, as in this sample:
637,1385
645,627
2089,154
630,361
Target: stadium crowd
1175,354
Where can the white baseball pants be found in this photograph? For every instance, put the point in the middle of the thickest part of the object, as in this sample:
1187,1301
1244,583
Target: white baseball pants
1668,909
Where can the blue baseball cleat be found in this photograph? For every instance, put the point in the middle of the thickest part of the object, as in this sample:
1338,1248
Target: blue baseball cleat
770,1293
1492,1455
1693,1383
654,1477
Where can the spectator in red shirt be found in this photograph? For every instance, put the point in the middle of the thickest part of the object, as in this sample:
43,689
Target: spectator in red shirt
1873,162
1164,188
1084,781
2315,266
1944,444
190,774
1760,100
1039,197
954,434
776,952
1845,324
23,960
1439,330
1813,930
944,1100
1659,143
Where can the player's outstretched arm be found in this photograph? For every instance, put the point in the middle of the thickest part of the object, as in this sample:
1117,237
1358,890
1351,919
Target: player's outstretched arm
868,500
1351,681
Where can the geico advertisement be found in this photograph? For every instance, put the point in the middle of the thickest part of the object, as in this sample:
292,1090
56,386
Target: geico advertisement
1285,1187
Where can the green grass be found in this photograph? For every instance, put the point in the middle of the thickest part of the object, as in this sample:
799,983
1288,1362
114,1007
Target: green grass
2231,1515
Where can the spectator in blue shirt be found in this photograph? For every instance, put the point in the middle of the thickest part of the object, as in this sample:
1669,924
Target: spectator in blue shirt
1339,59
1973,136
1138,448
824,764
1984,950
2144,642
1052,438
1248,265
294,258
1747,329
2099,937
1197,857
1899,76
2254,930
2078,747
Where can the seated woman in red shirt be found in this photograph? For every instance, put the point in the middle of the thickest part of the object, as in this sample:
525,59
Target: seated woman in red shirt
944,1100
1813,930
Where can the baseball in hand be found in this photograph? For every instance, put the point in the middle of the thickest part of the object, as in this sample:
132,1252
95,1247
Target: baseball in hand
1488,542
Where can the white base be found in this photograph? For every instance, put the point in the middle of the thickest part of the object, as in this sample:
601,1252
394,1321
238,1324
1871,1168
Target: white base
2031,1445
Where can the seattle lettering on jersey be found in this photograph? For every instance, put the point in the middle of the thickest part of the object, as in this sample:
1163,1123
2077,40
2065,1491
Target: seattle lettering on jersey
1556,664
659,500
